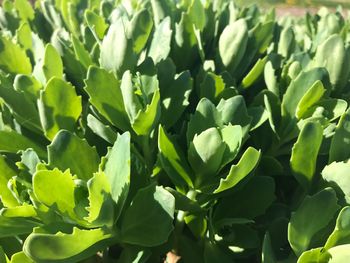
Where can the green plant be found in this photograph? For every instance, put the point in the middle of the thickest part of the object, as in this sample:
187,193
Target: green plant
130,129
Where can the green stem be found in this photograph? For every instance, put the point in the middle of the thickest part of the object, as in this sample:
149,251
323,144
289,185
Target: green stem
180,223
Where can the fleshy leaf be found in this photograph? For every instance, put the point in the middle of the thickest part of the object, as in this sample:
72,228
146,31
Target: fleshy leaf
117,171
118,59
56,188
313,215
65,152
309,141
6,173
68,248
205,154
101,205
146,119
233,43
174,98
12,58
11,141
312,96
160,45
96,23
340,145
16,226
173,160
59,107
341,232
338,173
148,220
139,29
246,164
52,65
99,83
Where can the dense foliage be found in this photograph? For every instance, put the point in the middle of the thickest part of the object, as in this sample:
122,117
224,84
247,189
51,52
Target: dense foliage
131,129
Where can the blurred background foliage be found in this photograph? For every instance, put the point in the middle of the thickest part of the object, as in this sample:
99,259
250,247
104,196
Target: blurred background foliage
301,3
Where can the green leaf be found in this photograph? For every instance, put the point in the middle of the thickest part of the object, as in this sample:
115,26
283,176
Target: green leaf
68,151
117,171
232,136
197,223
259,115
212,87
56,188
24,36
255,73
318,209
234,111
69,14
19,211
338,174
183,202
341,232
6,173
316,255
197,14
12,58
330,108
101,206
139,29
59,107
118,59
339,150
68,248
104,131
29,160
81,53
20,257
173,160
339,254
25,112
25,9
309,141
52,64
238,172
311,97
184,50
11,141
205,154
257,194
149,219
112,106
333,55
16,226
298,88
29,85
175,98
205,116
160,45
233,43
96,23
286,42
146,119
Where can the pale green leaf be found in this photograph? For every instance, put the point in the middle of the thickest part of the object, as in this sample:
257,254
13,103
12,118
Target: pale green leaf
65,152
309,141
59,107
238,172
